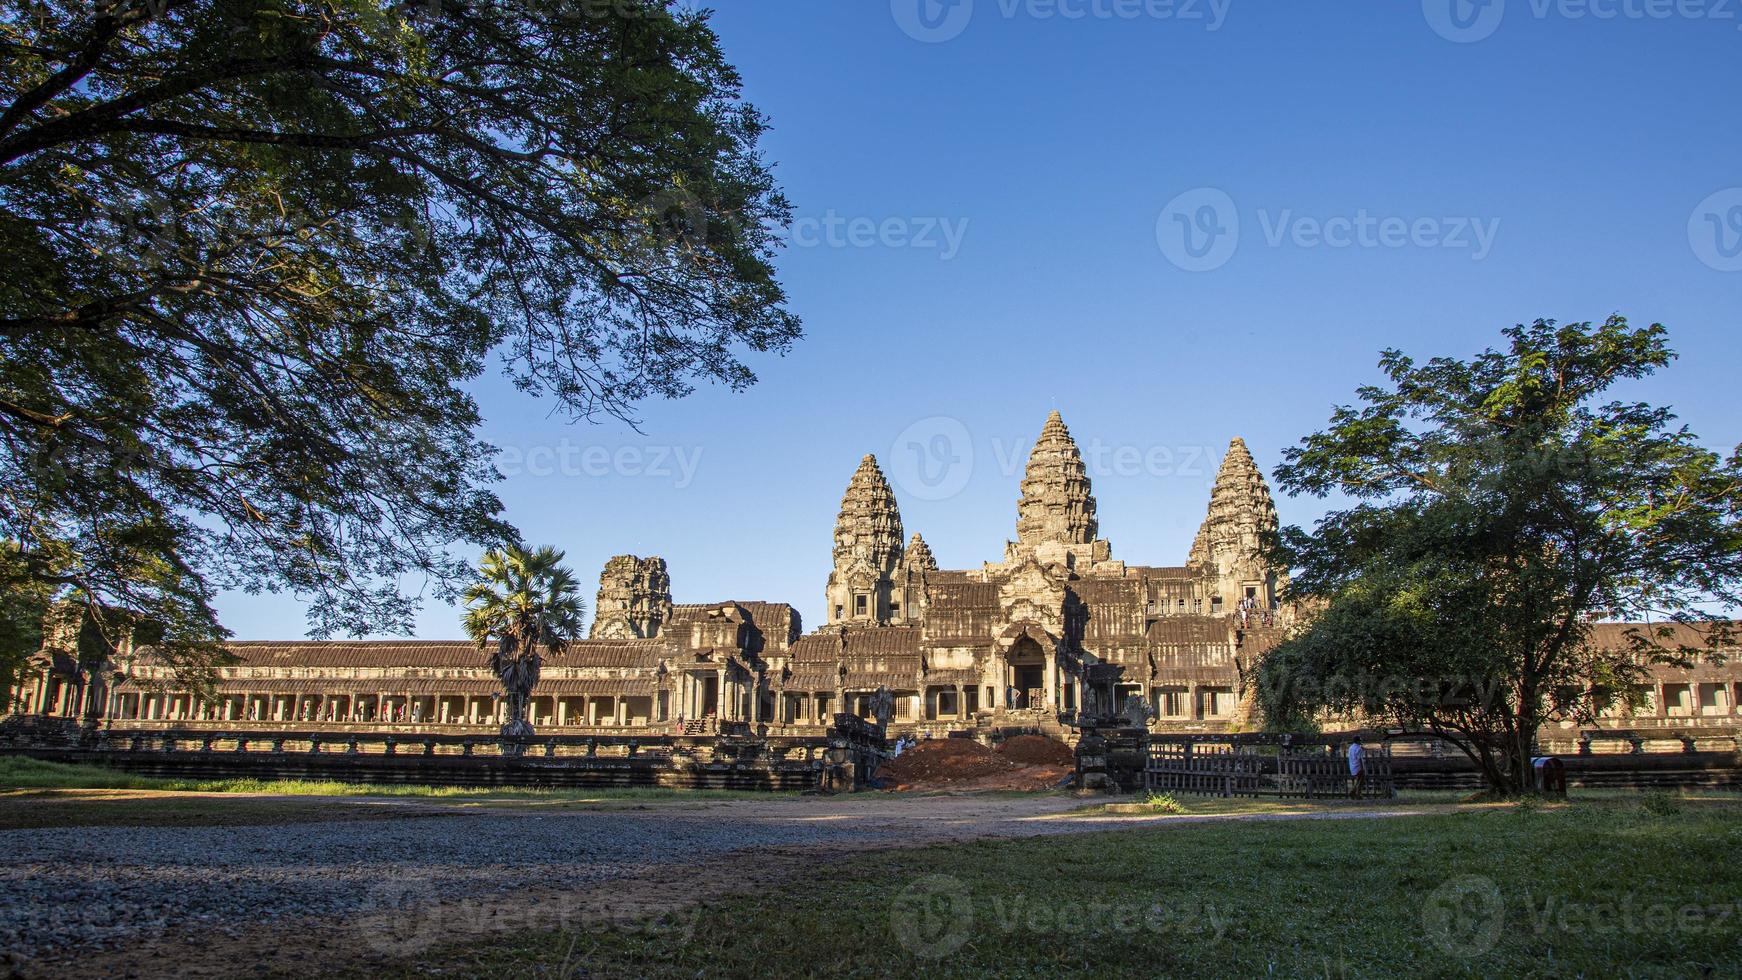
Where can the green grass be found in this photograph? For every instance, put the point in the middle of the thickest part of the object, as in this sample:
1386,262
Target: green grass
19,773
1619,885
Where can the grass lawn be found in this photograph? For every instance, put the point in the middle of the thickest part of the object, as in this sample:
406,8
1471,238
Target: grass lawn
1615,885
19,773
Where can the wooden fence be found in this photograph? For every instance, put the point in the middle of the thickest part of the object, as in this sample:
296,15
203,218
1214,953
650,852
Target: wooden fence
1262,766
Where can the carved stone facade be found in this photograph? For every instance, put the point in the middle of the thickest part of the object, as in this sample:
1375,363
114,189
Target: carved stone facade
1006,644
634,599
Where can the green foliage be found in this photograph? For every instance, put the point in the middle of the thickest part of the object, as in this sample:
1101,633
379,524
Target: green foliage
1659,803
525,600
24,601
1163,803
1500,509
257,250
19,773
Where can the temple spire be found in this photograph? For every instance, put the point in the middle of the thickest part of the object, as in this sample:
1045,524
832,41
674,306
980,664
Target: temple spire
1231,540
867,547
1056,503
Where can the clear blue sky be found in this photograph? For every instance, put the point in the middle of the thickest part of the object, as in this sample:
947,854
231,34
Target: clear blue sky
1062,154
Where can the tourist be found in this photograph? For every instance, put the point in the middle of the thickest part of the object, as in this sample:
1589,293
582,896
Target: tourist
1357,768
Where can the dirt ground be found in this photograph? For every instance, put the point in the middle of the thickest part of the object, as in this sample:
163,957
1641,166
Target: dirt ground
1024,763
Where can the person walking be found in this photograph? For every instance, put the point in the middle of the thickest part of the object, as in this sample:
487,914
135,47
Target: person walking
1357,768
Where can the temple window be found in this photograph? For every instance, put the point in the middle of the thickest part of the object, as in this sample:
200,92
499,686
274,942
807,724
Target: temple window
1676,700
1215,702
1712,699
859,604
1170,702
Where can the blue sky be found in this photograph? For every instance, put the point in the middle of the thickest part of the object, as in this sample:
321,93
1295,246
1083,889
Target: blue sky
993,204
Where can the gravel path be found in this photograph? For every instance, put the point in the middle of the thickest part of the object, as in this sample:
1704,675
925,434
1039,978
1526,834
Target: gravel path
98,886
69,893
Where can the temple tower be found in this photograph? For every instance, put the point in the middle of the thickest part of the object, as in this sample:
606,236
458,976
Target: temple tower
634,599
868,551
1056,504
1055,516
1230,543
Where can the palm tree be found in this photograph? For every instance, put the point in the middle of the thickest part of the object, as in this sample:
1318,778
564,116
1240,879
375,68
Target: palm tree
527,602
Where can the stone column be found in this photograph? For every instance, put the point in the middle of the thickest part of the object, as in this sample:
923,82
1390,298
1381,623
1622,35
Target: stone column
1051,672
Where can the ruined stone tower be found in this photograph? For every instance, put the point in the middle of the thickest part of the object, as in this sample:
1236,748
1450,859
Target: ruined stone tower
634,599
867,551
1230,541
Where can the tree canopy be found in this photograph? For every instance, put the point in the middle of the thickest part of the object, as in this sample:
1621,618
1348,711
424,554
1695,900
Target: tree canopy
258,249
1501,509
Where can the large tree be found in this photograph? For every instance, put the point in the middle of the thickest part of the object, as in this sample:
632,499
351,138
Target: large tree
1502,507
256,250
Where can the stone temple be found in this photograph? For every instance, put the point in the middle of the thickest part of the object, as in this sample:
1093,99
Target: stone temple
1005,645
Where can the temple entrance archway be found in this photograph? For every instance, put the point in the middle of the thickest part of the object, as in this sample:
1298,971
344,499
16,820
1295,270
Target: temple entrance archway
710,696
1025,674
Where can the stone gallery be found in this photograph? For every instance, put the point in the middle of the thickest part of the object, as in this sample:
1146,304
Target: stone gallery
1002,646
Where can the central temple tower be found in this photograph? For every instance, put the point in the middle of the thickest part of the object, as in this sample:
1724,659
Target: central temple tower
1055,516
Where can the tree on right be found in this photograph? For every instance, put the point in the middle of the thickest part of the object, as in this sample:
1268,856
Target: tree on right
1498,508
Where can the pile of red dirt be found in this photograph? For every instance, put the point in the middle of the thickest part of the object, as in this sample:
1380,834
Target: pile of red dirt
1037,750
1028,762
